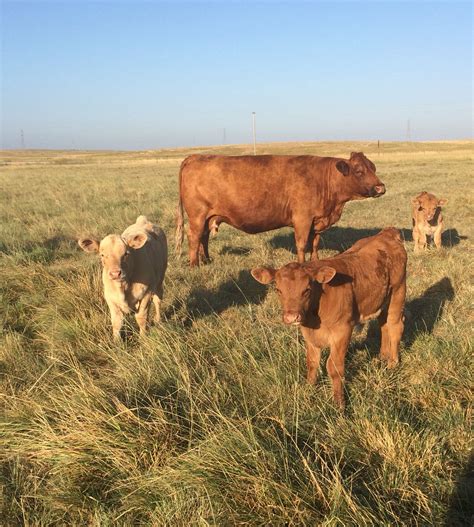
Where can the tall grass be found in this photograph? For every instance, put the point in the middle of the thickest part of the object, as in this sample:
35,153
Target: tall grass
207,420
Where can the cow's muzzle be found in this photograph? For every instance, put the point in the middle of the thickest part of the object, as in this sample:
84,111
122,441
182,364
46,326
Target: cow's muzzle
117,275
292,319
378,190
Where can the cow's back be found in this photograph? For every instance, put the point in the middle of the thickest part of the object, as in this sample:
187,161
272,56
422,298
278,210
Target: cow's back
252,193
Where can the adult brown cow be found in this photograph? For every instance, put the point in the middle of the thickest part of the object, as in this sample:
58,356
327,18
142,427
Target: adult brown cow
328,298
262,193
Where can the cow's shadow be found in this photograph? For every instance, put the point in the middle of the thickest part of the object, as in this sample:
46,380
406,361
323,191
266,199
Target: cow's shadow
341,238
201,301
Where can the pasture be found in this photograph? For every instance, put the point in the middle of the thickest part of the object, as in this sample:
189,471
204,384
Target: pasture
207,420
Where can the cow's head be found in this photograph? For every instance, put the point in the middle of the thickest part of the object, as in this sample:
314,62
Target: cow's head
116,253
363,181
297,285
428,205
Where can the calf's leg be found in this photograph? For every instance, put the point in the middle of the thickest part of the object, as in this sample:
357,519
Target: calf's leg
419,239
157,298
395,324
437,237
313,357
116,317
141,316
335,364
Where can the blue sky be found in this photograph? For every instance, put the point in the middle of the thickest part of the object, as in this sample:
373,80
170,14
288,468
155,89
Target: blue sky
137,75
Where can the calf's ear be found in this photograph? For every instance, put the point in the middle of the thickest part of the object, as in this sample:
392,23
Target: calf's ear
137,241
264,275
343,167
323,275
442,202
88,245
415,201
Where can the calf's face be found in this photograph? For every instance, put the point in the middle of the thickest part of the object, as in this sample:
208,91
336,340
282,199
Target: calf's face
115,253
296,288
361,171
428,205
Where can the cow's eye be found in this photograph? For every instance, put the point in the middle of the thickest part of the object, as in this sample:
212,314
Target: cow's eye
307,291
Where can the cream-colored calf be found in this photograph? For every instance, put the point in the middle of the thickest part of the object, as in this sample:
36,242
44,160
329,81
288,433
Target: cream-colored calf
133,268
427,219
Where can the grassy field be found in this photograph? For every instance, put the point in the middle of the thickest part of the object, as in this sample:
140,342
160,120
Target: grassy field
207,420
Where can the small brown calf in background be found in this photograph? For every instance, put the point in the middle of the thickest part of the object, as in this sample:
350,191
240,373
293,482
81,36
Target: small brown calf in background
427,220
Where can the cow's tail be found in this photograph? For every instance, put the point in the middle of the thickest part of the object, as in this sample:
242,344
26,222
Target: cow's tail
179,235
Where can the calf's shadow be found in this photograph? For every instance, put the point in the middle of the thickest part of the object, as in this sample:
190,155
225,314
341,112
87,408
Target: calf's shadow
201,302
421,315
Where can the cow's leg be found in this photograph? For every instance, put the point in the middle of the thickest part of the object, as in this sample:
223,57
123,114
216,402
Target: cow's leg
116,317
195,232
335,363
157,298
437,238
141,316
204,246
302,233
395,324
314,248
313,356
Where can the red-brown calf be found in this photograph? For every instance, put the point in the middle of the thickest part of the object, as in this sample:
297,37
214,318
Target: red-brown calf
427,219
328,298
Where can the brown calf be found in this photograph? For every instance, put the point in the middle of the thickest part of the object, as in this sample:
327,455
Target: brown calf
261,193
427,220
329,297
133,269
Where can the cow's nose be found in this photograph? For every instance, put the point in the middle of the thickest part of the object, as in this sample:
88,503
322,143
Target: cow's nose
379,190
292,318
115,274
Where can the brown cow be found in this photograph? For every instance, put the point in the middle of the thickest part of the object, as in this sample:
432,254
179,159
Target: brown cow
329,297
427,219
262,193
133,269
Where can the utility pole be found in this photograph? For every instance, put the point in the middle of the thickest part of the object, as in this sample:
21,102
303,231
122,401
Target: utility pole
408,131
254,135
22,139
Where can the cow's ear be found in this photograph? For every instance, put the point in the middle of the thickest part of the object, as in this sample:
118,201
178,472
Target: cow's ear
88,245
343,167
415,201
137,241
442,202
264,275
323,275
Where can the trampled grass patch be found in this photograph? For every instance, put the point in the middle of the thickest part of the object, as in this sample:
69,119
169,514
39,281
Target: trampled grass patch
207,420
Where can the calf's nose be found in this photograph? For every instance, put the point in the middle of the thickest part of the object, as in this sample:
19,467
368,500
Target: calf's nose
379,189
115,274
292,318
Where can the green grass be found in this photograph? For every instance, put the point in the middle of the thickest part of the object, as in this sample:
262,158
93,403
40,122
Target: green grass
208,420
